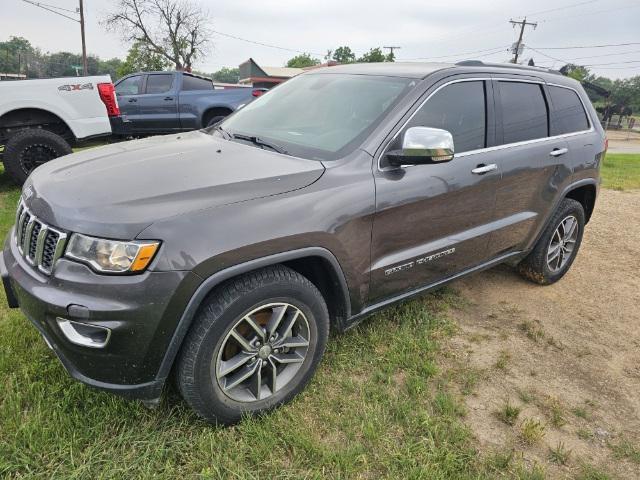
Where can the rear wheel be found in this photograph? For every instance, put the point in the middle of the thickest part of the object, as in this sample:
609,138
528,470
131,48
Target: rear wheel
254,345
214,120
29,148
558,246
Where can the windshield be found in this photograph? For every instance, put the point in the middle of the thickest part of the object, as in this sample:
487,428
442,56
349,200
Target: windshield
319,116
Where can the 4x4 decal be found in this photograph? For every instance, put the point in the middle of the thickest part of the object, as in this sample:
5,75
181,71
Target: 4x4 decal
76,86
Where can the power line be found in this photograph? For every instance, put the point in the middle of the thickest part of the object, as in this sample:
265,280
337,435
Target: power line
573,17
264,44
46,7
589,46
561,8
497,49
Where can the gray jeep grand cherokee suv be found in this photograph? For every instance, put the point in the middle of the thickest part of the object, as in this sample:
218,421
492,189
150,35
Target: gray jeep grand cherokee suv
225,255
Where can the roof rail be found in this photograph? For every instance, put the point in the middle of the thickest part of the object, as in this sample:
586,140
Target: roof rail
480,63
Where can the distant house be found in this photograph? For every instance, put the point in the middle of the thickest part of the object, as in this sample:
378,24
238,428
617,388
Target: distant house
12,76
266,77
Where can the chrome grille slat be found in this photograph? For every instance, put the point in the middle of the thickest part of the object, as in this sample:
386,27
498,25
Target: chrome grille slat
40,244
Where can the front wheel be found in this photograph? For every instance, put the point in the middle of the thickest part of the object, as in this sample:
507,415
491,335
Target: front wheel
29,148
558,246
254,345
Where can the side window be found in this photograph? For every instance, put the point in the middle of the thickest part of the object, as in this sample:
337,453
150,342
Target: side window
159,83
459,108
569,111
129,86
190,83
524,111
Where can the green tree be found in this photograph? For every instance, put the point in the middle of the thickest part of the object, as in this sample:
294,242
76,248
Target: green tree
577,72
303,60
375,55
344,54
142,59
227,75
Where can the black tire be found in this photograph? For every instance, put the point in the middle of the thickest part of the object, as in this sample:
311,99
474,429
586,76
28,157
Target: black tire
197,368
29,148
213,120
535,266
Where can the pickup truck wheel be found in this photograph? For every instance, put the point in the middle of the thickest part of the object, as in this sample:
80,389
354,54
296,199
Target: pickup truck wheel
558,246
28,149
254,345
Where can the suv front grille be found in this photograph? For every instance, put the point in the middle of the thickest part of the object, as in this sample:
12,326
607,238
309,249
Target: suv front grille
40,244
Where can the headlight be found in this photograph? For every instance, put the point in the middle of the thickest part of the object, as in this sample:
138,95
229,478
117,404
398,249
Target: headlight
111,256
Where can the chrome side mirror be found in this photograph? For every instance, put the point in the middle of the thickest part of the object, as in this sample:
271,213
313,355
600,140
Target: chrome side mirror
423,145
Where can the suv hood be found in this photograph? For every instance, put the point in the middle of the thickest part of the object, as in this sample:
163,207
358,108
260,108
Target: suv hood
118,190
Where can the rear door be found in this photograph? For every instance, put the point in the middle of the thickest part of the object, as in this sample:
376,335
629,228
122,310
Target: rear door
531,161
433,221
158,105
128,90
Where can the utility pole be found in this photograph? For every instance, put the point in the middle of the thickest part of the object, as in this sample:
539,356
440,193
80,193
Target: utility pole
78,11
523,24
391,49
85,67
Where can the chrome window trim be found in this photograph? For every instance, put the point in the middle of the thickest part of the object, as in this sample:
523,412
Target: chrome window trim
495,147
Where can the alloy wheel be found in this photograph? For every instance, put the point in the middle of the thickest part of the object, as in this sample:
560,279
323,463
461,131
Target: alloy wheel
262,352
562,244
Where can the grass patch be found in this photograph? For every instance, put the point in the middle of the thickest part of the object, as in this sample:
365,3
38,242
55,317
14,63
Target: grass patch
580,412
560,454
532,330
531,431
621,171
508,413
503,360
589,472
626,450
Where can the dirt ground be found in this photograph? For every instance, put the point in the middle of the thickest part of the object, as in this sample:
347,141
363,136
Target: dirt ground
623,141
567,355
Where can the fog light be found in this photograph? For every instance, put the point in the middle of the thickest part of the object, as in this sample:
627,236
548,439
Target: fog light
84,334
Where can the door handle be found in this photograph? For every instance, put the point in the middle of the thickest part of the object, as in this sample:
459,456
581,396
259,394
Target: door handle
133,100
482,168
556,152
168,98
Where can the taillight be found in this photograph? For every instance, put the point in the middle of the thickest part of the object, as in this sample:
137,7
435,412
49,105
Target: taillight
606,144
257,93
107,94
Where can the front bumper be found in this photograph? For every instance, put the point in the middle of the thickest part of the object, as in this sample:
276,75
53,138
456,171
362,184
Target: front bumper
141,311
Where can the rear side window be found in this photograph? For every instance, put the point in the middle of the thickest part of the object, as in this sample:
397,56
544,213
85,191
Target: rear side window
129,86
569,111
524,111
159,83
194,83
460,109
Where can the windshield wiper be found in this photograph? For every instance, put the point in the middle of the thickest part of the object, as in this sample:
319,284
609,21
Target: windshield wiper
224,133
258,141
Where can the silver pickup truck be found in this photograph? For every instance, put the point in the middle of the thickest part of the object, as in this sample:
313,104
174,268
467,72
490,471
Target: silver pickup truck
168,102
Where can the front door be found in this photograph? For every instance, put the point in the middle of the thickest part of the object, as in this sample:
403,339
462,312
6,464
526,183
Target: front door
128,90
433,221
158,105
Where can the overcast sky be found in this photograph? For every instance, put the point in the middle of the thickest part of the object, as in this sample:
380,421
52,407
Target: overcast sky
423,28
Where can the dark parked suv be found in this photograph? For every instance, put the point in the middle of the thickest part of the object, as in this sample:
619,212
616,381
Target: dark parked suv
225,255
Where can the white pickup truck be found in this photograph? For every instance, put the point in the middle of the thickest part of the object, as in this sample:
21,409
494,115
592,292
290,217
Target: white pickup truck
42,119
